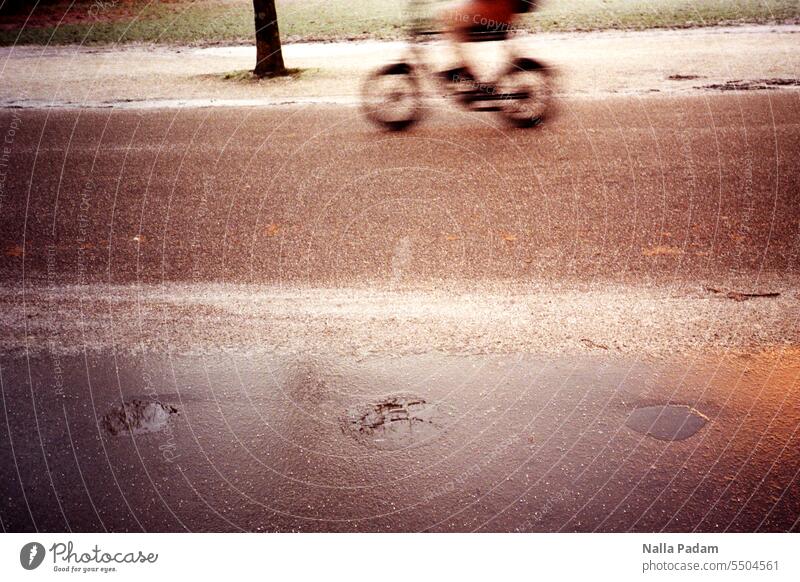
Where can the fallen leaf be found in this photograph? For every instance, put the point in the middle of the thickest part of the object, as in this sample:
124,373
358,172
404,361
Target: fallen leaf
14,251
591,344
663,251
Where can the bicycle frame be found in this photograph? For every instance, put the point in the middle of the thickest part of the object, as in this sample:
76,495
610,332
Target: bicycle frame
419,37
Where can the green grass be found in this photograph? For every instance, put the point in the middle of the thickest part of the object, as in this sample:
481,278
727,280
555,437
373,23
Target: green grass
231,21
246,76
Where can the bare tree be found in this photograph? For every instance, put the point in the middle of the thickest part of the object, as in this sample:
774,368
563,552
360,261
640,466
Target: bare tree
269,59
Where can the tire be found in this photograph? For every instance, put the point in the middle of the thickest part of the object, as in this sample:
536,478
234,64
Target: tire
391,97
524,93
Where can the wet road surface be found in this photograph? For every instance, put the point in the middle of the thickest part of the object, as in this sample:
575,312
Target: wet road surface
514,443
318,327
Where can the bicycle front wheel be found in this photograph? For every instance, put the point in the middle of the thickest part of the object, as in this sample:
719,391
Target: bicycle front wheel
524,93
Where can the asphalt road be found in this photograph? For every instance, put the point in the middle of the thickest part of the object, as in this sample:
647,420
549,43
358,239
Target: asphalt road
449,329
657,189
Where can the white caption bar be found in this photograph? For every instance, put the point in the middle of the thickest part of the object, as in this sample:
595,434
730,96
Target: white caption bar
388,557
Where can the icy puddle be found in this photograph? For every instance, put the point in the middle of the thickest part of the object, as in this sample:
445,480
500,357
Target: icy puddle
396,422
138,417
667,423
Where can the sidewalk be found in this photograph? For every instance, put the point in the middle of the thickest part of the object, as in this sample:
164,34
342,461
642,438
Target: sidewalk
590,64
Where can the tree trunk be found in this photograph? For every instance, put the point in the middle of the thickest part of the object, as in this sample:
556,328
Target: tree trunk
269,59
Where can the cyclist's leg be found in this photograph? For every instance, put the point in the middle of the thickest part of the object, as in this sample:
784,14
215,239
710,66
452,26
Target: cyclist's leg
475,17
458,22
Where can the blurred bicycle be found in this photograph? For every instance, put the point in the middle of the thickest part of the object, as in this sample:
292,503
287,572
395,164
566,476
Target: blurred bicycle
393,96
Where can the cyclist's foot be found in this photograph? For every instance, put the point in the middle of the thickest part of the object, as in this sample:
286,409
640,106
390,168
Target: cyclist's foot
462,83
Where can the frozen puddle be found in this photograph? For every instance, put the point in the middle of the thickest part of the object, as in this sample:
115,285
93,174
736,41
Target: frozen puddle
396,422
138,417
668,423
